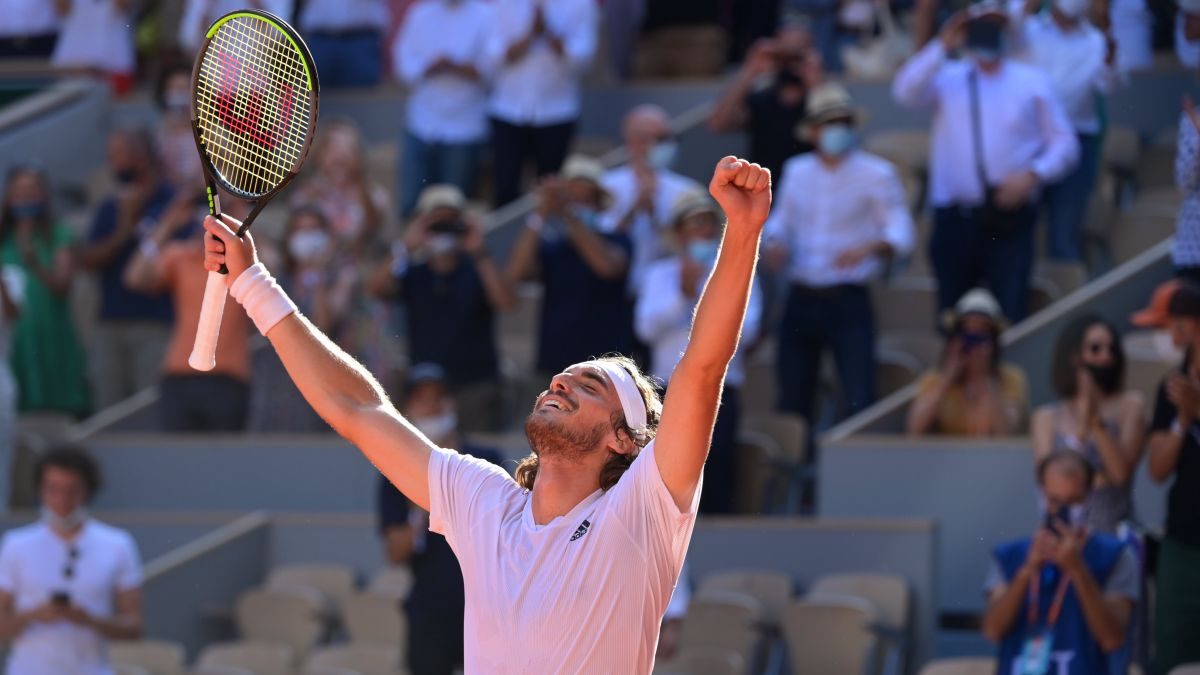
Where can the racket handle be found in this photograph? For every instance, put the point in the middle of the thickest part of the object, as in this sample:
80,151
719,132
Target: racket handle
204,352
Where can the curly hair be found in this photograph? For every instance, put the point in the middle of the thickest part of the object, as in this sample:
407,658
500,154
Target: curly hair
617,464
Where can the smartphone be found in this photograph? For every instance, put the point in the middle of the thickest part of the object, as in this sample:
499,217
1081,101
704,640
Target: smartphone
61,598
1063,515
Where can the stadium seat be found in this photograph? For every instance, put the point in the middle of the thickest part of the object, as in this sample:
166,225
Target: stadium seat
830,635
894,370
758,460
157,656
773,590
905,147
887,594
1186,669
393,581
702,661
222,670
1145,376
1062,276
1136,230
1042,294
926,347
334,582
290,616
373,619
906,304
1122,145
760,390
126,669
723,620
961,666
787,430
259,658
1155,167
364,659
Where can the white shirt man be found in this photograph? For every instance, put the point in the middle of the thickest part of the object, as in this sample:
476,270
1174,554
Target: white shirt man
198,15
35,563
96,35
27,18
444,106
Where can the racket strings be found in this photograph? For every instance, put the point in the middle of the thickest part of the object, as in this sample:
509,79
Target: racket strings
253,104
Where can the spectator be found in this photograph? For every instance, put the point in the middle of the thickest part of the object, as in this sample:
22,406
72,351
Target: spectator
198,15
346,39
451,290
96,38
1066,594
1078,59
672,622
189,400
583,267
623,21
323,284
645,190
176,141
538,52
47,360
972,393
1187,33
664,322
439,54
12,296
341,186
1174,450
1132,25
436,603
131,333
770,114
841,217
69,583
998,135
28,29
1185,250
1095,416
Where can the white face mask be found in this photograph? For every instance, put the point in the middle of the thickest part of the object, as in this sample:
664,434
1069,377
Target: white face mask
437,429
308,245
662,155
1077,514
1073,9
62,523
441,244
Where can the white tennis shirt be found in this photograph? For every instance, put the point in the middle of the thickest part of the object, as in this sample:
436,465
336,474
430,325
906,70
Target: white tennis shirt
584,593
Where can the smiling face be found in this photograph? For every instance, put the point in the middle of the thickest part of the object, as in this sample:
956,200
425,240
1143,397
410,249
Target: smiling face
577,416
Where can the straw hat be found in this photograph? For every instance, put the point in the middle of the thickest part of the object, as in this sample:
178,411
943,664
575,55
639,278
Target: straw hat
975,301
439,196
690,203
830,101
582,167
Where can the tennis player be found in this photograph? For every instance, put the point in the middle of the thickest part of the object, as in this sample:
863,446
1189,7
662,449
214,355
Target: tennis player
569,568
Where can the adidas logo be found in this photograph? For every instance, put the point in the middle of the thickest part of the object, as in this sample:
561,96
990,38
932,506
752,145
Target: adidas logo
581,530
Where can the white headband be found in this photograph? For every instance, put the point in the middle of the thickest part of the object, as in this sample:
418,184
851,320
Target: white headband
627,390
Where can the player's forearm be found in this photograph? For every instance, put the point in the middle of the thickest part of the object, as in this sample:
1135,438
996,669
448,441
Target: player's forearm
722,307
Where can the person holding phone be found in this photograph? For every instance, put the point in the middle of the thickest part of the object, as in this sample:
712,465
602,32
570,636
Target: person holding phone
68,583
972,393
1095,416
1060,601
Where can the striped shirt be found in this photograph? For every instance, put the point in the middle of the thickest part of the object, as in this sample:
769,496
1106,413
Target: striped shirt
1186,250
584,593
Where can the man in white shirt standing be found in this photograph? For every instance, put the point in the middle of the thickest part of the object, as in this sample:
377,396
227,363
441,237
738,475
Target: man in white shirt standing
841,217
538,51
439,54
570,567
646,189
999,134
346,39
28,29
663,318
1078,59
68,583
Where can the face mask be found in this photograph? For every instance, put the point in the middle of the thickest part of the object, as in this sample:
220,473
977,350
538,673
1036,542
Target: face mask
985,42
1072,8
68,522
441,244
29,211
127,176
308,245
437,428
177,102
972,340
1106,377
835,139
587,215
662,155
704,251
788,78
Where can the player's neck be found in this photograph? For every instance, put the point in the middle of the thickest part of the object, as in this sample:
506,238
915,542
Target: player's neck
560,487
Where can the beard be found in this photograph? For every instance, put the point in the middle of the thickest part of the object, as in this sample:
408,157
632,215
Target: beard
553,438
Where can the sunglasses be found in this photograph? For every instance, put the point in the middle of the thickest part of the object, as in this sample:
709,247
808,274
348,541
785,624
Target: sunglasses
69,567
1098,348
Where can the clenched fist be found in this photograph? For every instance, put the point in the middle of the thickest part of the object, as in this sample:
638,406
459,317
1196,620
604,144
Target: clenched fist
744,192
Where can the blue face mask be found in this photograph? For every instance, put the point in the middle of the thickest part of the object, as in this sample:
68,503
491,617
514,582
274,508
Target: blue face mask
29,211
662,155
835,140
704,251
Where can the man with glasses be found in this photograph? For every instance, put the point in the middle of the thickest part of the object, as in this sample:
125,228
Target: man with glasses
68,583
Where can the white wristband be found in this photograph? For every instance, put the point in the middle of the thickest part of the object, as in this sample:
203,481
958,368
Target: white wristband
265,302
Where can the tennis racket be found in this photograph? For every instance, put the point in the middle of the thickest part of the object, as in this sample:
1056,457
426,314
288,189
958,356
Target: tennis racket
254,111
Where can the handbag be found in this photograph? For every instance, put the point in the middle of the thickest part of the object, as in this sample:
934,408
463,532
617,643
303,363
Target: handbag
998,221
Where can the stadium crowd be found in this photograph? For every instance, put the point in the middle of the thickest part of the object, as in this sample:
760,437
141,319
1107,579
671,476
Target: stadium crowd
403,277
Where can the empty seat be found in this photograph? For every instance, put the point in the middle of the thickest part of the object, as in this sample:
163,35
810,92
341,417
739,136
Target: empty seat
1121,149
1135,231
961,666
362,658
722,620
830,635
287,616
906,304
773,590
887,593
1061,276
702,661
157,656
335,582
894,371
787,430
394,581
374,619
260,658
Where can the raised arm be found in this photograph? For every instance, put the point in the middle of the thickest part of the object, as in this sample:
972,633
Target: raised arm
744,192
338,388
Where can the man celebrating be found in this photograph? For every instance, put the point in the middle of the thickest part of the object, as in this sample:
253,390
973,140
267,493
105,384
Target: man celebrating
576,561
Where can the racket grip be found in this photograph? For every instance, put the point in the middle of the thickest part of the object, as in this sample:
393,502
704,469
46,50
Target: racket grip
204,351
